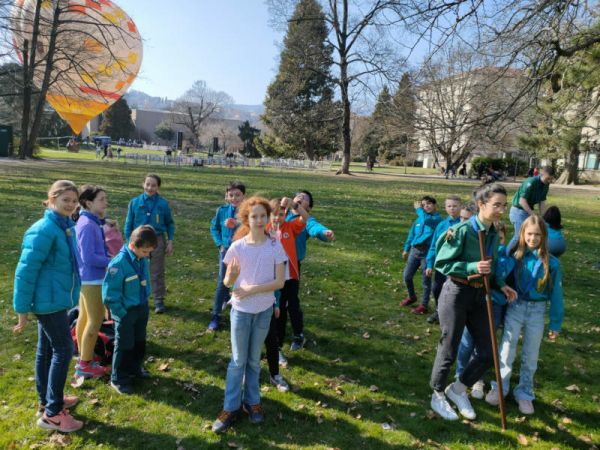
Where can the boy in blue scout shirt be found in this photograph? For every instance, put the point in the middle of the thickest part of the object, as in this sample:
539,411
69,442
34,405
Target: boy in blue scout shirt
416,248
150,208
222,229
125,291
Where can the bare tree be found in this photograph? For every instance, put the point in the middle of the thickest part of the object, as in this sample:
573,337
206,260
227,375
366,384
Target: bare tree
363,51
68,48
463,103
197,105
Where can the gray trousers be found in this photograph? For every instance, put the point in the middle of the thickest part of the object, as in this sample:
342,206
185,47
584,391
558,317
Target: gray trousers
157,271
459,306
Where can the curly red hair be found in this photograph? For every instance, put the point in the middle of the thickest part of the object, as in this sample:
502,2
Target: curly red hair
244,213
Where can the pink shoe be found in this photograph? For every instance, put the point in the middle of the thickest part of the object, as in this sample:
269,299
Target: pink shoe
89,369
63,422
68,402
419,310
407,301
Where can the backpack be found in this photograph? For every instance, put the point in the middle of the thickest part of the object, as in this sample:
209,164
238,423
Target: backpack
105,343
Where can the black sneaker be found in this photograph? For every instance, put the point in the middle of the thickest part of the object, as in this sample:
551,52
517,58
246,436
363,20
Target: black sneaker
433,318
256,414
224,421
159,308
297,343
124,389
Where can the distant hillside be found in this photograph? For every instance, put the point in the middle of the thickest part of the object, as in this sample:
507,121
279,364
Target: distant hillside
141,100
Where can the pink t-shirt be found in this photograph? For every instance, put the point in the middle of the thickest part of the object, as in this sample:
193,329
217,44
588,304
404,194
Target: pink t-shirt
257,266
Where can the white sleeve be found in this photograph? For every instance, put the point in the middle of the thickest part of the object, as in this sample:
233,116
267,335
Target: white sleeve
280,256
231,253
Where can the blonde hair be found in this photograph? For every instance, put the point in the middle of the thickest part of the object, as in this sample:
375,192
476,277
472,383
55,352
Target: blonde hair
58,188
244,214
454,198
519,250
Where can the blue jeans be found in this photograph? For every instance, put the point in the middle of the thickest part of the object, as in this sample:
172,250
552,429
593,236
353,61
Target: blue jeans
416,259
527,318
54,353
516,216
465,350
248,333
222,291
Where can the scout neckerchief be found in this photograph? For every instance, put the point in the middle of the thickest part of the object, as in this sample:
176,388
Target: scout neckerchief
140,273
150,213
489,248
98,221
66,224
531,280
231,216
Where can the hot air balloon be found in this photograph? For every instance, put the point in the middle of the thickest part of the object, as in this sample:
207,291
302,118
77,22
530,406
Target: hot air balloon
98,53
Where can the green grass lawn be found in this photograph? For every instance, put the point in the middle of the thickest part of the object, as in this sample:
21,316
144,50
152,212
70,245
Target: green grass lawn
367,361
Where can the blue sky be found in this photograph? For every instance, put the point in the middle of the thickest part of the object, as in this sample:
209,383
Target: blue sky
227,43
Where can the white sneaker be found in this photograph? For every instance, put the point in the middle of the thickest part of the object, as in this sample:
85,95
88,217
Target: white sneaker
526,406
441,406
283,362
280,382
462,403
492,397
477,391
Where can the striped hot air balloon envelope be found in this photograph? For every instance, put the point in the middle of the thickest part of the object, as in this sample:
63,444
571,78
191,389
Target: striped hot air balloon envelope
98,54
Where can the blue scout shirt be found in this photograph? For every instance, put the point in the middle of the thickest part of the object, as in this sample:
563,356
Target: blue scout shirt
312,229
422,229
220,233
504,266
440,230
127,282
154,211
529,288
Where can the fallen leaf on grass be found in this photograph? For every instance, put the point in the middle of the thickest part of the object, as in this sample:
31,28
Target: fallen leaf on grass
433,443
521,419
366,335
232,444
573,388
164,367
566,420
522,440
594,398
559,405
585,438
388,426
373,388
62,440
338,391
94,401
430,414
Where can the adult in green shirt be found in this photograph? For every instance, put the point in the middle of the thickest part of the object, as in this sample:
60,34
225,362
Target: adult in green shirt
462,301
533,191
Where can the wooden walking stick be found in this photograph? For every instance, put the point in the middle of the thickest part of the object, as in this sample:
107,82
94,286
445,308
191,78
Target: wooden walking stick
488,302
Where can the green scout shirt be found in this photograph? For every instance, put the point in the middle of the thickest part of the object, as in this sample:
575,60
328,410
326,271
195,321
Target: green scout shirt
533,190
459,256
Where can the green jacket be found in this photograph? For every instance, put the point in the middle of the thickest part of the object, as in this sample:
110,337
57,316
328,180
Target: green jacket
533,190
459,256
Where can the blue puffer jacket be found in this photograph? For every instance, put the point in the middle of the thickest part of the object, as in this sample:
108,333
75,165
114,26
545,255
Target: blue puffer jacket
45,279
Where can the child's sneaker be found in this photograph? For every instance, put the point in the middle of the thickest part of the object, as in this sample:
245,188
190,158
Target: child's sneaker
526,407
124,389
224,421
63,422
214,324
419,310
159,308
433,318
477,391
68,402
283,362
89,369
408,301
462,402
492,397
297,343
256,414
441,406
280,383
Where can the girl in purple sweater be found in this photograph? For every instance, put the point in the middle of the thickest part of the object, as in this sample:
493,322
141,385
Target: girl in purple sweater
95,259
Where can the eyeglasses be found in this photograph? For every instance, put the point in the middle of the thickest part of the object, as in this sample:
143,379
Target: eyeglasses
498,206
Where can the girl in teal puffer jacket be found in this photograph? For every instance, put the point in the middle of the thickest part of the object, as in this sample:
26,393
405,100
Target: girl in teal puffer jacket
47,285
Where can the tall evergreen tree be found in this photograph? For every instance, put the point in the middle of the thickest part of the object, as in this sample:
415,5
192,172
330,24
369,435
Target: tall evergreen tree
300,110
247,133
403,113
117,122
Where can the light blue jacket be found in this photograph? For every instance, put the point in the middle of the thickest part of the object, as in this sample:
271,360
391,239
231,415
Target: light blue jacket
552,292
45,279
504,266
441,229
220,233
154,211
422,229
121,286
312,229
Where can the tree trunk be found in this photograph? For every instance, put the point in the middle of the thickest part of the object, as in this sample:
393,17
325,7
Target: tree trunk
26,102
571,173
